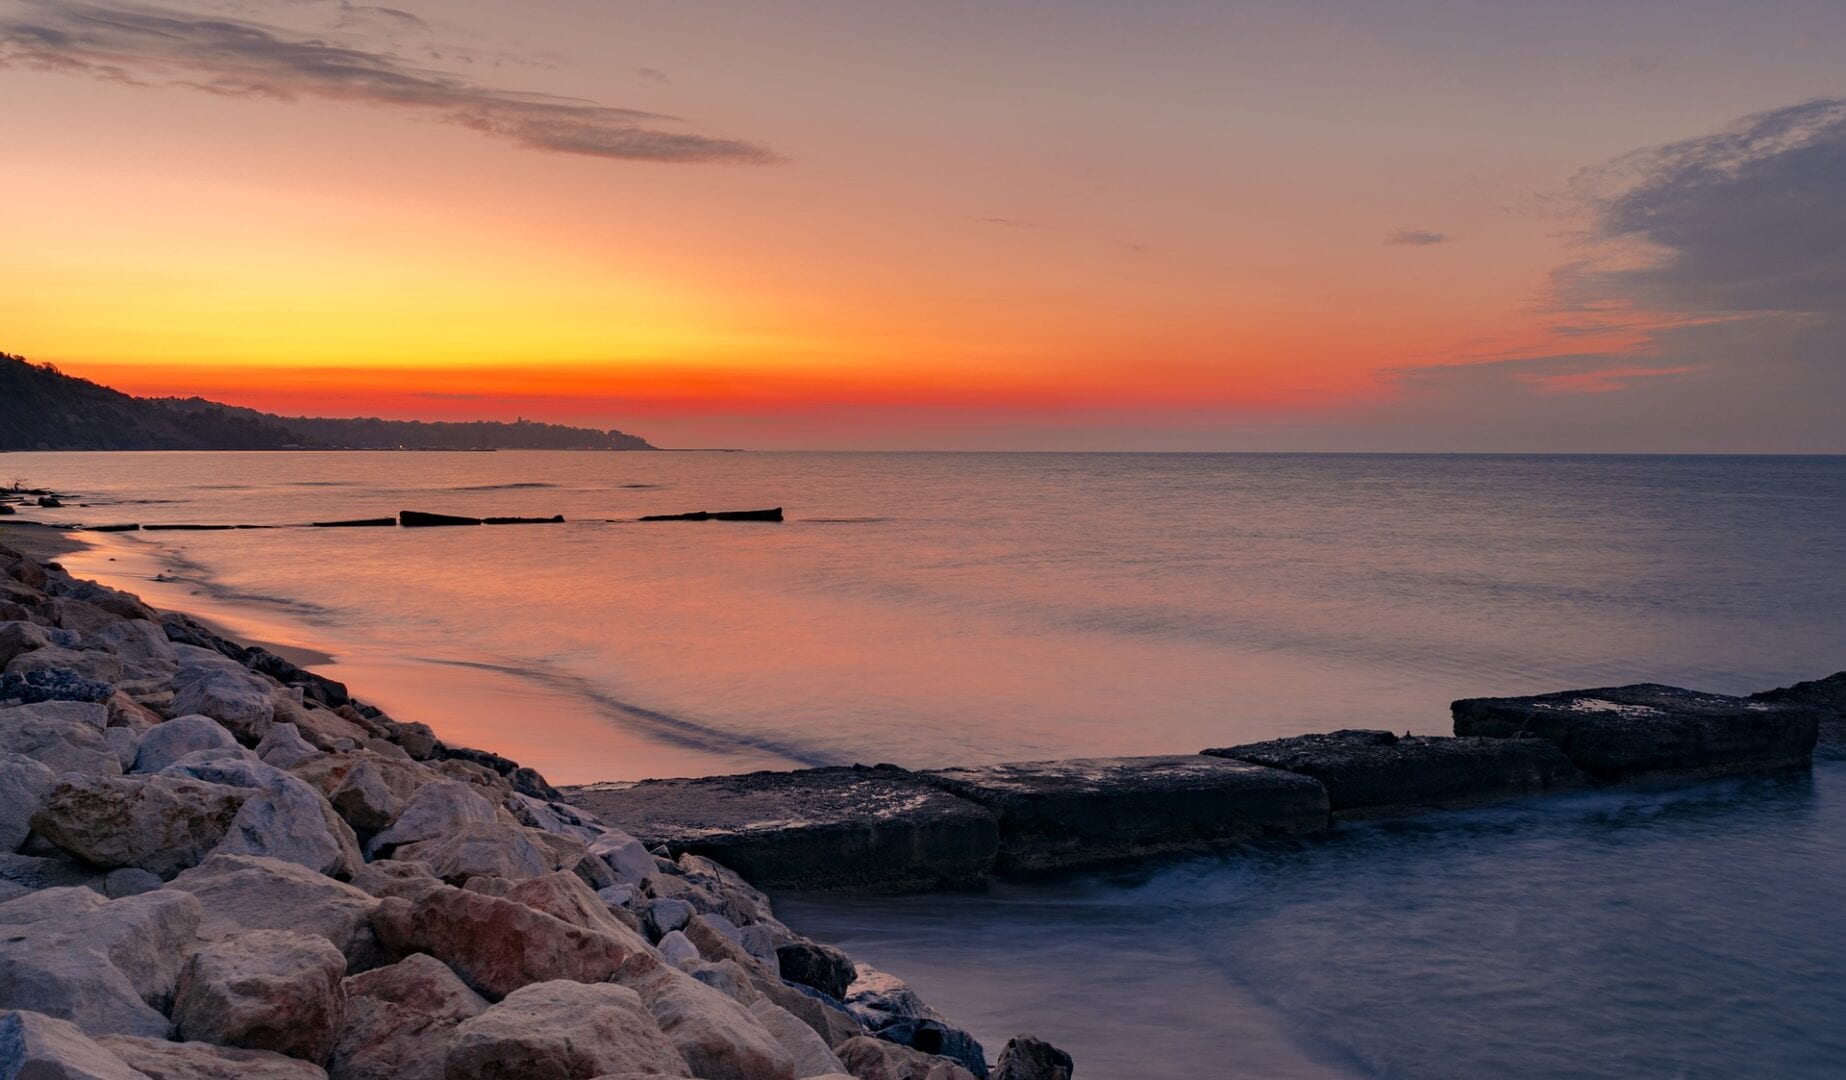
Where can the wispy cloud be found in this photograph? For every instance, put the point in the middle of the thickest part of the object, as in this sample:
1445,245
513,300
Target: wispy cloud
1007,222
145,46
1416,238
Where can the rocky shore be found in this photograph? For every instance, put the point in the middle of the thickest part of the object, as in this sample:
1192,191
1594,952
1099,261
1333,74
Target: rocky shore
217,864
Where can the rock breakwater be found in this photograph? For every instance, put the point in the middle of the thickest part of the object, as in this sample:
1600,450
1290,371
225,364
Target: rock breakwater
886,829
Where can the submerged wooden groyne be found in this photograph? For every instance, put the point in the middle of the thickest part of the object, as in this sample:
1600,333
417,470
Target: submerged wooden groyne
422,519
885,829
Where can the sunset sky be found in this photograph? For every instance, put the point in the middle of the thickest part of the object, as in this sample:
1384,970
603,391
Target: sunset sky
1342,225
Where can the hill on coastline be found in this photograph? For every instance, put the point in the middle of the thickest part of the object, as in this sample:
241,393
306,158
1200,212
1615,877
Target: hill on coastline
41,408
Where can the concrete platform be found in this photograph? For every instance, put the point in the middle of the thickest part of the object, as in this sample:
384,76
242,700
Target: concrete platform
1378,773
857,829
1623,732
1062,815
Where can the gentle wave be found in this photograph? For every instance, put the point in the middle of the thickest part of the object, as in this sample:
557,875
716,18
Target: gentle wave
663,726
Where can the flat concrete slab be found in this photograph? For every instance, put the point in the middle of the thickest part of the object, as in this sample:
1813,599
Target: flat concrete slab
1619,732
858,829
1061,815
1378,773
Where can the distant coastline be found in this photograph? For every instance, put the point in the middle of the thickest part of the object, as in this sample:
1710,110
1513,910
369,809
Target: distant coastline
43,409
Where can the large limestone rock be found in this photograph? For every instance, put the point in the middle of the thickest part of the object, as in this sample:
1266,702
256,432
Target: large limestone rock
498,945
164,744
397,877
625,856
34,1046
319,727
1057,815
880,1000
365,798
126,742
1027,1058
329,771
492,848
867,1058
554,817
283,746
108,966
400,1021
283,817
717,1036
874,829
563,1031
162,1060
436,810
1619,732
91,664
1374,773
161,823
717,939
240,701
826,1016
810,1052
248,892
138,641
17,637
264,990
65,736
78,616
114,602
561,895
23,784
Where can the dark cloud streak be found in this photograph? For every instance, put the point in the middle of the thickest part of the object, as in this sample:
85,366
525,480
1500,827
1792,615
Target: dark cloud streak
1722,259
1416,238
155,47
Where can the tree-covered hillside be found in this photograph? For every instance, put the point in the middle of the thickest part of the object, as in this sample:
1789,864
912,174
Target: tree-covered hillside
41,408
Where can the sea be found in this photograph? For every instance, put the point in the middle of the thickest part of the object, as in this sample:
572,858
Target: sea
938,609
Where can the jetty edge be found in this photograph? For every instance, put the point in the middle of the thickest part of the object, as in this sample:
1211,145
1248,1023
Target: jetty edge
883,829
215,863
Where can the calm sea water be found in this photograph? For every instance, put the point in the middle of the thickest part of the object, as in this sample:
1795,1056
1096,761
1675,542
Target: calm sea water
958,608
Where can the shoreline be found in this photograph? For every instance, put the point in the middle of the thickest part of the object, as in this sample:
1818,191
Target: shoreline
736,993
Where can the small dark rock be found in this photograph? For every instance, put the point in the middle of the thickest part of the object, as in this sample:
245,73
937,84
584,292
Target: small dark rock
417,519
825,969
1026,1058
314,687
938,1038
